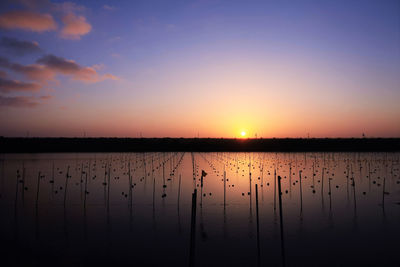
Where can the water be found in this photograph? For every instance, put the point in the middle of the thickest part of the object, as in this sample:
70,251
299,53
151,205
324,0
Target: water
354,222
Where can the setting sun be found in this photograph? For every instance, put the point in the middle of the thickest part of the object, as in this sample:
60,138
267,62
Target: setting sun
243,133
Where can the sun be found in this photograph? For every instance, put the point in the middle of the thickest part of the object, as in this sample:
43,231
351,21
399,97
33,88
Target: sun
243,133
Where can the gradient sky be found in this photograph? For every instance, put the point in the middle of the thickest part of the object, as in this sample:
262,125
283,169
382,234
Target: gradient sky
207,68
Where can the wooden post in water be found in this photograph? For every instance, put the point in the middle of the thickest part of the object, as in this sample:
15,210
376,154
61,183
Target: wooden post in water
66,186
262,174
274,188
179,190
130,185
201,188
81,181
290,179
108,187
330,194
163,173
281,220
383,193
154,191
52,181
193,229
313,176
104,184
37,190
16,194
23,185
369,176
354,188
322,183
84,196
301,194
322,189
258,231
224,187
250,178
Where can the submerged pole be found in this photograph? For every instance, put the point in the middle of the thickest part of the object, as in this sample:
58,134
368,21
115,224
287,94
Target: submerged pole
224,187
275,189
179,190
301,194
37,190
193,229
66,186
383,193
281,220
258,230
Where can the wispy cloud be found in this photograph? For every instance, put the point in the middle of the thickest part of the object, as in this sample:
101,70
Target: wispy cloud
33,4
68,7
3,74
46,97
34,72
114,39
8,86
18,47
21,101
110,8
71,68
48,66
115,55
30,19
27,20
74,26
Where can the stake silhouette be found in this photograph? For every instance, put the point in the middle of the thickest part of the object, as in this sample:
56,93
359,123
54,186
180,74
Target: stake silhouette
301,194
258,230
179,190
66,187
193,229
281,221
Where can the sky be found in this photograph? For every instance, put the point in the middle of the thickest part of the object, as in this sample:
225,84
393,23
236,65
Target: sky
200,68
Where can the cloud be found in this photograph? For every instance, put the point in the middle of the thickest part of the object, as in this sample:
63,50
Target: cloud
68,7
8,86
18,101
100,66
107,7
70,67
27,20
74,26
65,7
32,4
59,64
115,55
111,77
48,66
34,72
46,97
18,47
170,27
114,39
3,74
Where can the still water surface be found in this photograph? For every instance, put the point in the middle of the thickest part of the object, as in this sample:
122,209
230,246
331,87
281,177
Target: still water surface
136,209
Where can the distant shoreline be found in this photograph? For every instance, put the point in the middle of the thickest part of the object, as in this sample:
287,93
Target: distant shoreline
46,145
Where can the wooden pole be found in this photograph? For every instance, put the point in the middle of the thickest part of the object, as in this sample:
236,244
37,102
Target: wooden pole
281,220
193,229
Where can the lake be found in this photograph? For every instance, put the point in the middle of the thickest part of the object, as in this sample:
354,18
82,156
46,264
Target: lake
74,209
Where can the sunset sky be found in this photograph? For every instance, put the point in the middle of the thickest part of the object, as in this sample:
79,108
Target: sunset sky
200,68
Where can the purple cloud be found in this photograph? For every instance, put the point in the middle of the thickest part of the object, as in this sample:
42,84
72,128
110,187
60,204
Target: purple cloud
18,47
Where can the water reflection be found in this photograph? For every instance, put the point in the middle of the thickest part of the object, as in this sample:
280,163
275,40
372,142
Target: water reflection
202,209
